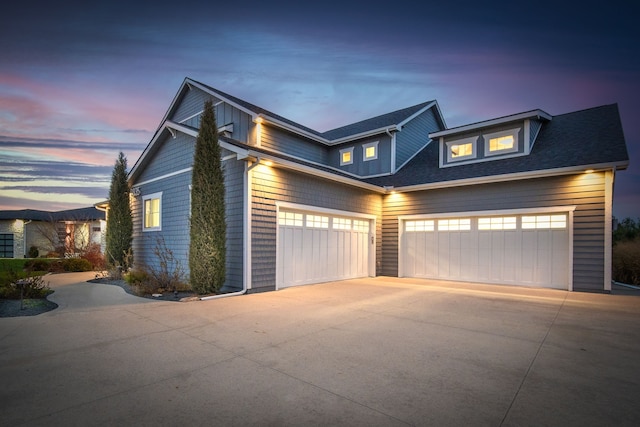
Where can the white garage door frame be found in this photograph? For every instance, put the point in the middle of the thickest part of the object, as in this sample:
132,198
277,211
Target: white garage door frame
315,210
569,210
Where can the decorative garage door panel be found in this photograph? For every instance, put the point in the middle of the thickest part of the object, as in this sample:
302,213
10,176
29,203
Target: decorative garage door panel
512,249
316,248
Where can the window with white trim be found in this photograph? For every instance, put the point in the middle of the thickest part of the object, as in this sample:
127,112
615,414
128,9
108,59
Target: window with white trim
361,225
317,221
454,224
501,142
152,212
497,223
292,219
341,224
544,222
419,225
370,151
461,149
346,156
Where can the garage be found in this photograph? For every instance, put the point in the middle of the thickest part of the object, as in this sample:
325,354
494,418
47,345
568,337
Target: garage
531,249
322,246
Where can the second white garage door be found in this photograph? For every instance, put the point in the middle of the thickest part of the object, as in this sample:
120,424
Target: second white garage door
525,249
316,247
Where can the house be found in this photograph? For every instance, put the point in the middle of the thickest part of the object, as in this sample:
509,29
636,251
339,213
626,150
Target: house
65,232
524,199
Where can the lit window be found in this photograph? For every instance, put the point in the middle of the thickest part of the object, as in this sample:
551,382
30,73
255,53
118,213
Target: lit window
501,142
456,224
290,218
341,224
317,221
361,225
419,225
346,156
497,223
544,222
461,149
152,206
370,151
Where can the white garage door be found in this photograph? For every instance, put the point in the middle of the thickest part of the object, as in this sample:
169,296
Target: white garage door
526,249
317,247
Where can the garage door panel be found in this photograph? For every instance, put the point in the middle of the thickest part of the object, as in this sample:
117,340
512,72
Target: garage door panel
496,250
317,248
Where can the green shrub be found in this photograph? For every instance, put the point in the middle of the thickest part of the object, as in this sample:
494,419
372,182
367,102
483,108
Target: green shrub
33,252
136,276
29,287
626,262
38,264
76,264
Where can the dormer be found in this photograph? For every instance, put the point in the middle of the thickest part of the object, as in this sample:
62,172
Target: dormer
496,139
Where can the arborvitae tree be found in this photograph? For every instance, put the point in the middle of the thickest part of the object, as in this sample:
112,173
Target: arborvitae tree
207,252
119,220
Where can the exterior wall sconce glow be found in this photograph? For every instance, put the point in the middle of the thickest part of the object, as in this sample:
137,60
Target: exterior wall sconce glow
589,171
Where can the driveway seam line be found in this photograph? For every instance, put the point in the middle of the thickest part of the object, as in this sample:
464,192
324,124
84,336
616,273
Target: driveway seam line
533,360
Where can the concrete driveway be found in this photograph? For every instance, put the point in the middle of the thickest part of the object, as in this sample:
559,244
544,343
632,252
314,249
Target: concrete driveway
361,352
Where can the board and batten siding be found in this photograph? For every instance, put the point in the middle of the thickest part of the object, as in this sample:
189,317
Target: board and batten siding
415,136
270,185
585,191
192,102
290,144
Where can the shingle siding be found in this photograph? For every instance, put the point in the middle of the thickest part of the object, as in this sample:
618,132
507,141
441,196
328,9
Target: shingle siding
292,145
415,136
584,191
175,213
173,155
271,185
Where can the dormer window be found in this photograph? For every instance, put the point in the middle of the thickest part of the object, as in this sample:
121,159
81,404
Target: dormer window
501,142
370,151
346,156
461,149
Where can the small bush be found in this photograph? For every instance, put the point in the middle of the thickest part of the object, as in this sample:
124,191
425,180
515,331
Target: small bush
626,262
135,276
33,252
76,264
29,287
94,256
38,264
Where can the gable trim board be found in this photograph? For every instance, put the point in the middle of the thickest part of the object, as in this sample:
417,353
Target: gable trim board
292,172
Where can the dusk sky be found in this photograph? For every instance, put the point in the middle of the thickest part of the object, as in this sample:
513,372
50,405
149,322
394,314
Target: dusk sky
81,81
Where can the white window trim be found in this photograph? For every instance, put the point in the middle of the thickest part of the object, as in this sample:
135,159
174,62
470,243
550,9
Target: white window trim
511,132
346,150
144,199
373,144
474,150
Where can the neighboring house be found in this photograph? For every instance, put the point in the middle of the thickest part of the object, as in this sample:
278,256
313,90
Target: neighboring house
519,200
67,231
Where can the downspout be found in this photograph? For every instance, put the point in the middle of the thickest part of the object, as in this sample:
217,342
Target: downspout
247,216
393,149
24,236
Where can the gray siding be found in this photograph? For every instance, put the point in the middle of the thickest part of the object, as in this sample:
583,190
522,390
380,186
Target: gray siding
480,143
176,210
242,123
381,165
534,128
173,154
293,145
415,136
584,191
271,185
192,102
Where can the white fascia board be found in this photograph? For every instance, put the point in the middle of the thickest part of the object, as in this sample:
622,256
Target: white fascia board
364,134
493,122
414,115
512,177
286,164
146,151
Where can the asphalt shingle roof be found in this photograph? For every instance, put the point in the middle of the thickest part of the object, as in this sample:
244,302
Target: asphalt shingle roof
586,137
82,214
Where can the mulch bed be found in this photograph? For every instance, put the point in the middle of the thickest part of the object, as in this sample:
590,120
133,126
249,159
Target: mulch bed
30,307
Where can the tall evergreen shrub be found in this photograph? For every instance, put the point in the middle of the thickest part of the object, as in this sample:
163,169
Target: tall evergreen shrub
119,221
207,252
